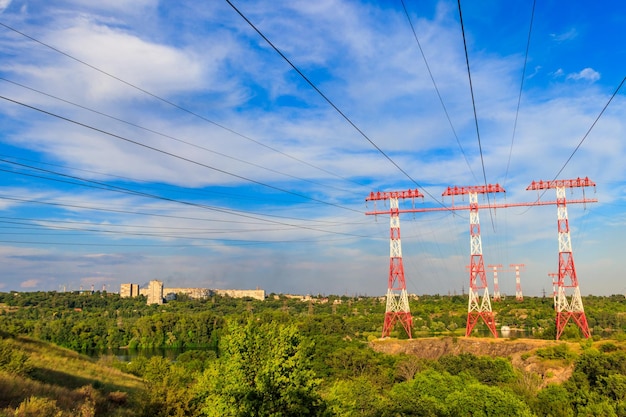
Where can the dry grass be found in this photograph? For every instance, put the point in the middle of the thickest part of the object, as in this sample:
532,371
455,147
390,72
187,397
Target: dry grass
65,383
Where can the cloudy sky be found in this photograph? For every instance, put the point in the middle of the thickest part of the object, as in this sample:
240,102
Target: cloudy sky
232,144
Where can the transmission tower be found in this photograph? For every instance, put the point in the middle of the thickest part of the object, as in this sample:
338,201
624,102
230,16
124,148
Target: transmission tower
554,275
572,308
496,285
518,285
477,308
397,298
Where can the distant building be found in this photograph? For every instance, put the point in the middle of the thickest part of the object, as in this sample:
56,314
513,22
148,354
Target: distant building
155,292
256,294
129,290
195,293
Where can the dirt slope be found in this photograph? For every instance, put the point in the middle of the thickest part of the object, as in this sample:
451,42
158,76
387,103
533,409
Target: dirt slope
519,351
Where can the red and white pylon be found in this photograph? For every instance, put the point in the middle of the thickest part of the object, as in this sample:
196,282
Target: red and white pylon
397,308
496,285
554,275
572,308
518,285
477,307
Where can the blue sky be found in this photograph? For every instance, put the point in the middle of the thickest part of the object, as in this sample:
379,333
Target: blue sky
168,140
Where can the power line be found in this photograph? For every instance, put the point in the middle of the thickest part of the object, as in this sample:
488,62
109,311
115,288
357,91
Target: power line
170,103
521,88
469,76
519,100
37,225
310,83
112,188
106,187
119,211
590,128
9,219
169,136
176,156
583,139
432,78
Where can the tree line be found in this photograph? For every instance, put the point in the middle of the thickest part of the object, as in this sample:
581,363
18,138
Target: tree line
283,357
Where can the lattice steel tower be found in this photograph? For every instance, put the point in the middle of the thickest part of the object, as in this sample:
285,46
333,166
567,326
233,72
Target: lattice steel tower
518,284
397,308
496,285
477,307
572,308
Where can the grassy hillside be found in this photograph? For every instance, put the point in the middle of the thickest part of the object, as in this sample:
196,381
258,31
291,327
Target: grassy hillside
41,379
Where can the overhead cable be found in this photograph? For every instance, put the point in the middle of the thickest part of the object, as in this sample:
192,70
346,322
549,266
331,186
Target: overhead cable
328,100
469,76
171,103
169,136
582,140
175,155
432,78
521,88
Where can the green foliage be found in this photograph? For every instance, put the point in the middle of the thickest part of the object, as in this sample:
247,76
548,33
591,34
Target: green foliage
484,369
483,401
38,407
167,389
438,394
553,401
357,360
196,360
608,347
597,368
356,397
263,370
284,357
12,359
62,383
560,351
426,394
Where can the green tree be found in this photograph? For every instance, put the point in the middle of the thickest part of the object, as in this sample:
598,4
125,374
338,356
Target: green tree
486,370
356,397
553,401
263,370
480,400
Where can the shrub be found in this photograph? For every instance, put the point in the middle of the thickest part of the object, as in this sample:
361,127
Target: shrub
608,347
38,407
117,397
560,351
13,361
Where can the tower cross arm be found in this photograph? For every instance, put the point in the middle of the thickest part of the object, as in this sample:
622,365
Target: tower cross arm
386,195
478,189
577,182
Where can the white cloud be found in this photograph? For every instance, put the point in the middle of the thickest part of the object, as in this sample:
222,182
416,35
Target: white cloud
363,57
587,74
31,283
158,68
4,4
565,36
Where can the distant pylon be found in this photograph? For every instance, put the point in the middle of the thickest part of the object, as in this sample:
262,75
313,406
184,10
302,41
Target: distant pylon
518,285
554,286
573,308
496,285
477,308
397,297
